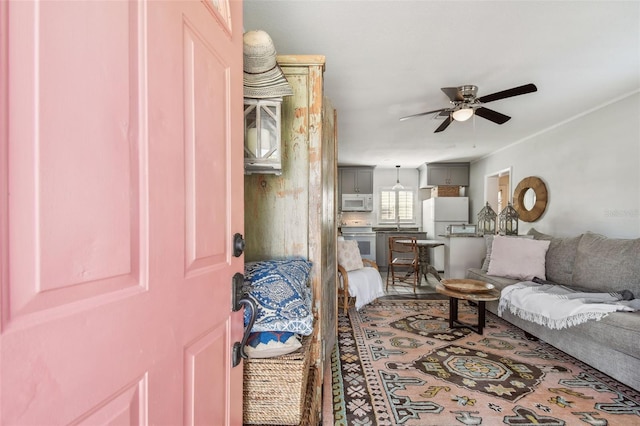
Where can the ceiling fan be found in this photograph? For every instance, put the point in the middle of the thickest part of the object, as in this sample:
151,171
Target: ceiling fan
466,104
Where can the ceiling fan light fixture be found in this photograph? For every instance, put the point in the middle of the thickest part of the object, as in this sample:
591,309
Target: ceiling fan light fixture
466,104
462,114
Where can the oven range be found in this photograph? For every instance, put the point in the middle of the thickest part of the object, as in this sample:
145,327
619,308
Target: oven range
364,235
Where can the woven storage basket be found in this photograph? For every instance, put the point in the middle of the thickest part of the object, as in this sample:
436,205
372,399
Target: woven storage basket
445,191
275,388
311,403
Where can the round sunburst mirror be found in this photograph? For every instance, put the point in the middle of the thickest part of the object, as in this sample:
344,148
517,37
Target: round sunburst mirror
530,199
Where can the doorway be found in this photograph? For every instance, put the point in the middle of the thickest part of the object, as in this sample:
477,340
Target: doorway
497,189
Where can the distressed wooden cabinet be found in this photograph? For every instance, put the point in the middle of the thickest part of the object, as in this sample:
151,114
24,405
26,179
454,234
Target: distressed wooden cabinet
294,214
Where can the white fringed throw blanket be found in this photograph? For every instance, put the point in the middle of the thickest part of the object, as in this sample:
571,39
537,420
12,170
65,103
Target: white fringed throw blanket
556,306
365,285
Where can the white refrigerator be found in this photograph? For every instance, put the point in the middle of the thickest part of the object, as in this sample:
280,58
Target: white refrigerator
437,214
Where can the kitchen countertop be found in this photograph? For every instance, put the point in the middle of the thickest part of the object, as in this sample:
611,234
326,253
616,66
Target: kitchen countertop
394,229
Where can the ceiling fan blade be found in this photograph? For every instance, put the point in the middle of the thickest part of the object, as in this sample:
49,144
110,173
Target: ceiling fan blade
520,90
422,113
452,93
492,115
444,124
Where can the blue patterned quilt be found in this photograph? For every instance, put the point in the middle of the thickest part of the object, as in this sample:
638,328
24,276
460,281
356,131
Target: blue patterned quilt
281,294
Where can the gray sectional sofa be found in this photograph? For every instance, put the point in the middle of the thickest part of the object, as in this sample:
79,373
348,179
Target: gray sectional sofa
588,262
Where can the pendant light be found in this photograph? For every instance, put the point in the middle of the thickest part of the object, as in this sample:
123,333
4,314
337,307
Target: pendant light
397,186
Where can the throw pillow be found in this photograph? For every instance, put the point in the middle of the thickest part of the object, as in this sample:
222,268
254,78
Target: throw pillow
488,240
518,258
539,235
268,344
607,264
283,299
349,255
560,257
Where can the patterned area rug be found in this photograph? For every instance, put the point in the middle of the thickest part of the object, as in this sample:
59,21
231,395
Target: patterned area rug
398,363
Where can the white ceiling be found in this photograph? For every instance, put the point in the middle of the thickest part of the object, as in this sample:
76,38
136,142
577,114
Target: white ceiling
388,59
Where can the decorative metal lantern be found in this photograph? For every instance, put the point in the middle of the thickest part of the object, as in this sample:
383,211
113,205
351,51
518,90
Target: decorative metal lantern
508,221
487,221
262,151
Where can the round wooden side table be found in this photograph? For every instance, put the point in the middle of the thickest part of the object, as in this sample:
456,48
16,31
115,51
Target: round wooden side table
466,289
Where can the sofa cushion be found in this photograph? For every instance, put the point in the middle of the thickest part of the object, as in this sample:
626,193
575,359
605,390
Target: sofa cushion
618,330
608,264
609,345
518,258
498,282
560,257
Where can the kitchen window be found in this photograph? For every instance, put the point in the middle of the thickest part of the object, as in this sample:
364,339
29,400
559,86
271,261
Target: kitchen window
397,206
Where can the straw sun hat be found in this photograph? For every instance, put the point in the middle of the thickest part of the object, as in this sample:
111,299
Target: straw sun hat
263,78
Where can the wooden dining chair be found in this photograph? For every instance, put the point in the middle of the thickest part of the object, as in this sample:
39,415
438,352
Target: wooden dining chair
404,265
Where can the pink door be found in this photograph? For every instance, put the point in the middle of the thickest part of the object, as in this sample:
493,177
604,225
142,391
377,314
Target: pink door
121,190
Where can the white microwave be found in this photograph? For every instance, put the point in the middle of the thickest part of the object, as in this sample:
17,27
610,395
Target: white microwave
357,202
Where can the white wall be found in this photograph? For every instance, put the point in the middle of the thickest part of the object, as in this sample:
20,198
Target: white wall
591,167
